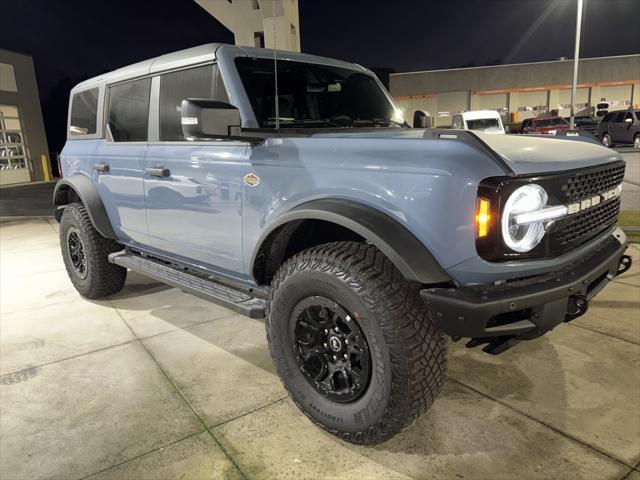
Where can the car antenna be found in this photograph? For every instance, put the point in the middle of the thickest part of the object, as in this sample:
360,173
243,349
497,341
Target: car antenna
275,68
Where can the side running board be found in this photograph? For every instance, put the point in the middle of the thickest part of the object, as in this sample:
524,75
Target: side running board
224,295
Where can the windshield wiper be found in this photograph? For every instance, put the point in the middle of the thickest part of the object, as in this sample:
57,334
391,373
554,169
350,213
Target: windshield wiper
305,122
379,122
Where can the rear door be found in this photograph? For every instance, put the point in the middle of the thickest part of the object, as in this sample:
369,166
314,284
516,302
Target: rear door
195,211
120,161
616,126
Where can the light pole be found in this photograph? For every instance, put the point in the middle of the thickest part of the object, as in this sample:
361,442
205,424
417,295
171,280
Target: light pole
576,54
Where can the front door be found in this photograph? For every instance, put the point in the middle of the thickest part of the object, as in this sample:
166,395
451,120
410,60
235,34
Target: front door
193,190
120,159
626,128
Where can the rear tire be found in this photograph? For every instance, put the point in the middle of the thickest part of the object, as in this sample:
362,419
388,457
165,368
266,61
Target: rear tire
407,353
85,253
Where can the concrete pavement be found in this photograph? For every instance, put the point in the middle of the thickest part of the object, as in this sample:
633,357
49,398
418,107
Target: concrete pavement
156,383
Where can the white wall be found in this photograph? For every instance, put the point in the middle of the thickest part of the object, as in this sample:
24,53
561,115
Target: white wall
247,19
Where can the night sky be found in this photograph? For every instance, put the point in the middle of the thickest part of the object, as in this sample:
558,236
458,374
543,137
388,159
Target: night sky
74,39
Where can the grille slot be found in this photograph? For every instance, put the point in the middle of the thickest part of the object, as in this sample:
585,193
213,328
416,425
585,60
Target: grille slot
586,184
583,226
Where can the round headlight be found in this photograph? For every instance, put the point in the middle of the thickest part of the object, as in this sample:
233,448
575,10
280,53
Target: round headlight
526,199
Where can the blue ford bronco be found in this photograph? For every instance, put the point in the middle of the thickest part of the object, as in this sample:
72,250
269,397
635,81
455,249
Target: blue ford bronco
309,201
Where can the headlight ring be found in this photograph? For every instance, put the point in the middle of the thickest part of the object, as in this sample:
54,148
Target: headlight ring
523,237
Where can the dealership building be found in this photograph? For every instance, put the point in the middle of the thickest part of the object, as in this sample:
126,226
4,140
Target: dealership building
24,154
520,91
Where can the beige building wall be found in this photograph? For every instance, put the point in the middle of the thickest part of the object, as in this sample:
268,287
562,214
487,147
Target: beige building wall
522,91
252,21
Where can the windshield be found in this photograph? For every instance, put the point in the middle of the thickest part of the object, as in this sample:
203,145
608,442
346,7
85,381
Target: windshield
483,124
311,95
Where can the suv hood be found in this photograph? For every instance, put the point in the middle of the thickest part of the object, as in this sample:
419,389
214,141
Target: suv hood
523,154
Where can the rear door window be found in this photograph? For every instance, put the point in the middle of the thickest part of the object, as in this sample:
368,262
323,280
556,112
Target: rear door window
84,113
128,116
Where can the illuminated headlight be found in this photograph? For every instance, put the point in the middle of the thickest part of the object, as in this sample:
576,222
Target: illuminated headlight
519,235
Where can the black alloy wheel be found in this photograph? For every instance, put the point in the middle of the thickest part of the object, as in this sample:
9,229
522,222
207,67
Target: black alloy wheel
77,252
331,349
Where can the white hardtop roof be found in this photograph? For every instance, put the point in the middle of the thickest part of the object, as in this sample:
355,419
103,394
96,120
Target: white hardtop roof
202,54
475,114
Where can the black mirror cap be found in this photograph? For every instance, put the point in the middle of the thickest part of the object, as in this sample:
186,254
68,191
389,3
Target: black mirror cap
421,119
205,118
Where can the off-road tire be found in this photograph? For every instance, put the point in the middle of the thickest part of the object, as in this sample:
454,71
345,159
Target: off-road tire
408,351
102,278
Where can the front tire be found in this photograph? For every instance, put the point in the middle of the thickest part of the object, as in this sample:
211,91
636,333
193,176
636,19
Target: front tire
85,253
367,390
606,140
636,141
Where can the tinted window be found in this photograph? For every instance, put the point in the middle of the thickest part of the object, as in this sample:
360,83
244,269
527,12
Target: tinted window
607,117
84,108
550,122
619,117
483,124
201,82
129,111
313,95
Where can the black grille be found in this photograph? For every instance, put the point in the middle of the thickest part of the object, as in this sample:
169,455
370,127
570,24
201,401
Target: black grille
586,184
583,226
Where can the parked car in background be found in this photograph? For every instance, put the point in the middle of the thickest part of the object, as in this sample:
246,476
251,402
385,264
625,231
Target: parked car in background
585,123
622,126
544,125
487,121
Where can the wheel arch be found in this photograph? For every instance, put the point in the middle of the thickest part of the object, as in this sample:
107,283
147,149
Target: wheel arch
79,187
347,220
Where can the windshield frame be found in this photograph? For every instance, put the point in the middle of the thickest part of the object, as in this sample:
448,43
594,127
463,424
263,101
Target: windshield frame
250,120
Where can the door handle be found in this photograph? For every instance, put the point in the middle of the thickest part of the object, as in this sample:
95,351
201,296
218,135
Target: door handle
158,172
101,167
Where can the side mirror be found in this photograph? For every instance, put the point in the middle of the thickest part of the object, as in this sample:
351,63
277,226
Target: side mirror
421,119
204,118
628,120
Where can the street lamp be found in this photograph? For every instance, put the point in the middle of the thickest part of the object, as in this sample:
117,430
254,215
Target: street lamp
576,54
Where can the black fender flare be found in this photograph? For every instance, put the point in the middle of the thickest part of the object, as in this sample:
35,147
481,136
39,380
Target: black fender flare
88,194
409,255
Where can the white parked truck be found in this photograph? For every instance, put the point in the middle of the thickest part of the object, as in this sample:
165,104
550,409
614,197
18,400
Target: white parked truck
487,121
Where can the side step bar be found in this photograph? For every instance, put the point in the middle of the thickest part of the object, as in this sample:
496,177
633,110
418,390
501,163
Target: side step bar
224,295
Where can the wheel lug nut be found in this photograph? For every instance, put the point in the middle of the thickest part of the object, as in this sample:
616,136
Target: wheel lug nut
348,318
346,342
325,345
337,330
335,358
326,331
345,356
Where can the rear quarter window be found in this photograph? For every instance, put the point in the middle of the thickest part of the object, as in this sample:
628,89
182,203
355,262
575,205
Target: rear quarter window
84,113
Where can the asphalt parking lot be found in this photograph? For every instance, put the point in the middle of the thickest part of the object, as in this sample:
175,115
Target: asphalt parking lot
156,383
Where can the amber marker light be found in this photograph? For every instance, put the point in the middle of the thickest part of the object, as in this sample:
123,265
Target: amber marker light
483,217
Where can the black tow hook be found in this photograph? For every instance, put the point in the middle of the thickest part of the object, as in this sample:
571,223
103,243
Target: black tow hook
577,306
624,265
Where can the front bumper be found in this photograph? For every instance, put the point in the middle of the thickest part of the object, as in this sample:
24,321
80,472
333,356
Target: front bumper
503,314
